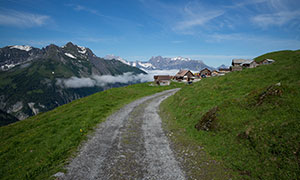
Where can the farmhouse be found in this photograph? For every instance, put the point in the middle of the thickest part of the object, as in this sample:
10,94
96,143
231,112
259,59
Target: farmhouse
163,80
186,75
205,72
224,70
266,61
236,68
215,73
248,64
239,62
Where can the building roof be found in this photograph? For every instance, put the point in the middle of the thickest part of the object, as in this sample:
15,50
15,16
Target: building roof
205,69
240,61
182,73
162,77
270,60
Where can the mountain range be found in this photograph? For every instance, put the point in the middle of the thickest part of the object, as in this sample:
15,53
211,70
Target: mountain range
34,80
164,63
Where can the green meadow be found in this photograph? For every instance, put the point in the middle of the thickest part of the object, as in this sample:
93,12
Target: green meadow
38,147
248,120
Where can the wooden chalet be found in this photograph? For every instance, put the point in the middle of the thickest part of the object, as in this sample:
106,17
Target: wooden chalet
215,73
266,61
236,68
239,62
224,70
186,75
248,64
163,80
205,72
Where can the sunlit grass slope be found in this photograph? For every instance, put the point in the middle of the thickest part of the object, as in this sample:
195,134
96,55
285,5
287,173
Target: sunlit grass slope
256,127
38,147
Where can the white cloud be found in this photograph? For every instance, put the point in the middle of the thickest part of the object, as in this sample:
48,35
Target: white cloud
221,37
86,9
170,72
22,19
275,19
195,14
75,82
102,81
259,40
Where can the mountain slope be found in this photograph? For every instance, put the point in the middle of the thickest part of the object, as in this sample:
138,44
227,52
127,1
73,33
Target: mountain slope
31,79
38,147
248,119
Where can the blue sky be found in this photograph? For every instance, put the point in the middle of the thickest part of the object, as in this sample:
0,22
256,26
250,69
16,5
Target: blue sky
214,31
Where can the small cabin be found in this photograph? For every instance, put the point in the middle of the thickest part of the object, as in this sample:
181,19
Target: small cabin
184,75
236,68
248,64
239,62
266,61
162,80
205,72
224,70
215,73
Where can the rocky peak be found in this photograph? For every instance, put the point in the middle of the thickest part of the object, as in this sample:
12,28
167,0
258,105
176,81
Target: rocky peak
111,57
51,47
70,46
155,59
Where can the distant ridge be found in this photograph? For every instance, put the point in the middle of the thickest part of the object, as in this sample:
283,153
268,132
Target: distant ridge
31,78
165,63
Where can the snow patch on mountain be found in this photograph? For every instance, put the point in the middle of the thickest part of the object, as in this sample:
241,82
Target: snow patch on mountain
7,66
179,58
70,55
82,50
23,48
146,65
111,56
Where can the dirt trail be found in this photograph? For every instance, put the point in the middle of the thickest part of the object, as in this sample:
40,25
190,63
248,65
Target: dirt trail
130,144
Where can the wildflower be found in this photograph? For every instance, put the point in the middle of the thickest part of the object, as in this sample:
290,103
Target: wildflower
81,130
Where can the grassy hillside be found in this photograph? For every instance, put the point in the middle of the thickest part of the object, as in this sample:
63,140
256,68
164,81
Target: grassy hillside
38,147
246,119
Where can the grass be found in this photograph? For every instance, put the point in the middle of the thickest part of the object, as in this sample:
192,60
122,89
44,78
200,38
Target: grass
38,147
255,131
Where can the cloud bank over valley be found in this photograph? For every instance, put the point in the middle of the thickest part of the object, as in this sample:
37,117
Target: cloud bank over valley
104,80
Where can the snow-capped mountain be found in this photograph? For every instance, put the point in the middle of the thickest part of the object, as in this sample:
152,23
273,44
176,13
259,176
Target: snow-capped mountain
111,57
11,56
23,48
31,78
138,64
165,63
179,58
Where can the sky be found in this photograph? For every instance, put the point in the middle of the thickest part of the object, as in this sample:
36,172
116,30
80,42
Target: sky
215,31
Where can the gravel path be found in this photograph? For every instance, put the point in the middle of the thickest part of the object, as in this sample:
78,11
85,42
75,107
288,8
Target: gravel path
130,144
